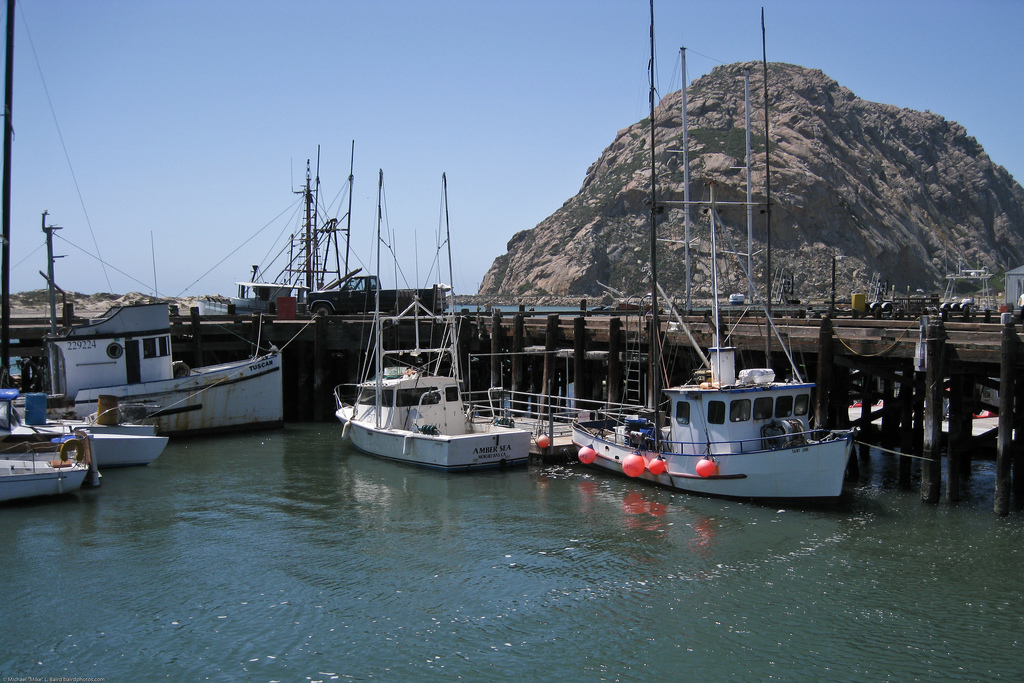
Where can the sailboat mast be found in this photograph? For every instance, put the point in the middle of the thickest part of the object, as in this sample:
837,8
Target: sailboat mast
5,242
379,333
655,335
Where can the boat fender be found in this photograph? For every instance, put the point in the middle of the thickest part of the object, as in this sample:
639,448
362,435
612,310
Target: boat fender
633,465
707,467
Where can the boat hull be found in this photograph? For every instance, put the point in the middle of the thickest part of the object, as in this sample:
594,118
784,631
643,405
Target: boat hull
811,471
228,397
497,447
25,479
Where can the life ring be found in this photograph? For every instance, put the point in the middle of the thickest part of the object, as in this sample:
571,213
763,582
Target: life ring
66,446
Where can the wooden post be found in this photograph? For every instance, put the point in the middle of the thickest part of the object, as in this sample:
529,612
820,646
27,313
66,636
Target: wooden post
320,369
517,356
615,360
579,359
934,359
954,440
550,343
1018,443
197,337
496,349
1004,439
465,332
821,408
907,398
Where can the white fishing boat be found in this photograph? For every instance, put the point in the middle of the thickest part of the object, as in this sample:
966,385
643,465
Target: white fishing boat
126,353
737,435
412,409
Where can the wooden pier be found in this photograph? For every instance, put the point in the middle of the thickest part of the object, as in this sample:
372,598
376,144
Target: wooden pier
923,371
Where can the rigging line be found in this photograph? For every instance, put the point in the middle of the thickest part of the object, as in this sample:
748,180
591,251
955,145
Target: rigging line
250,238
104,263
63,146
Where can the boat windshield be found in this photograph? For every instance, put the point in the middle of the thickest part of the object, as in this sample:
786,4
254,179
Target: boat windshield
368,397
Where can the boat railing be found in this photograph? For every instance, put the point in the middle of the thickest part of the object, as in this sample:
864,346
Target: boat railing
640,435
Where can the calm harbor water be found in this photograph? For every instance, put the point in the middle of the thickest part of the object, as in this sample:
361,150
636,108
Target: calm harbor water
287,556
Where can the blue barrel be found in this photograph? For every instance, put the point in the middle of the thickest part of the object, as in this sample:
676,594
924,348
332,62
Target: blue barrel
35,409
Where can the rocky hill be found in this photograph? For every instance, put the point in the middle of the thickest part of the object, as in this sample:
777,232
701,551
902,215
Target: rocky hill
899,195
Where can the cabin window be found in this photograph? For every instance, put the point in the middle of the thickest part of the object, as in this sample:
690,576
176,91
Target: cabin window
149,347
683,412
784,406
451,394
802,402
716,412
163,347
763,408
414,397
368,396
739,411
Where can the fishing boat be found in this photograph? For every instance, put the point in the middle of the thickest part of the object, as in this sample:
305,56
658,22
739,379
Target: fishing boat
412,410
727,433
29,470
126,354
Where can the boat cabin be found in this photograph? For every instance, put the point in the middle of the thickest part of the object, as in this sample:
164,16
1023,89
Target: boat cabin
125,345
738,419
412,402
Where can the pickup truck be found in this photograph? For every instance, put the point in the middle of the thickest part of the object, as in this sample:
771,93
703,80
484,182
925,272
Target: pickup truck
358,295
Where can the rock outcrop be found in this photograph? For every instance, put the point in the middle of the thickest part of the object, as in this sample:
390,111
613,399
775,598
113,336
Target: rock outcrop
899,195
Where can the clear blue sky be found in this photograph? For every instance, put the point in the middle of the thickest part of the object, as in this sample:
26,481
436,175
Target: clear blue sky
186,125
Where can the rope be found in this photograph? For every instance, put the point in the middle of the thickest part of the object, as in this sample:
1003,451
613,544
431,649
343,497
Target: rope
891,452
883,351
301,329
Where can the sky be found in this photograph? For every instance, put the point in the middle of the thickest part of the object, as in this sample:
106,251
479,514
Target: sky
166,139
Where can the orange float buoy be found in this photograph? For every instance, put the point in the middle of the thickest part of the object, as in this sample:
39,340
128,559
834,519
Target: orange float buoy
633,465
657,466
587,455
707,467
543,441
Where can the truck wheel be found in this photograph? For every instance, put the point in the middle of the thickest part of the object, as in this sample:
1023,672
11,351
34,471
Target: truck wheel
322,309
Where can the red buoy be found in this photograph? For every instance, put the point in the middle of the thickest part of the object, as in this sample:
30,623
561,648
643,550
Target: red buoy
657,466
633,465
587,455
543,441
707,467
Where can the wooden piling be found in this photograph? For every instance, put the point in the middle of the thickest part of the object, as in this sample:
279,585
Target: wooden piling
197,337
496,348
821,409
615,360
517,353
955,437
579,360
550,344
934,359
1004,439
320,391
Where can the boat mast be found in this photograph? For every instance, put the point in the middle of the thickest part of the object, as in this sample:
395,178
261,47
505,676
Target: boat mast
308,194
654,366
768,197
451,281
5,240
750,203
686,178
379,355
351,181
